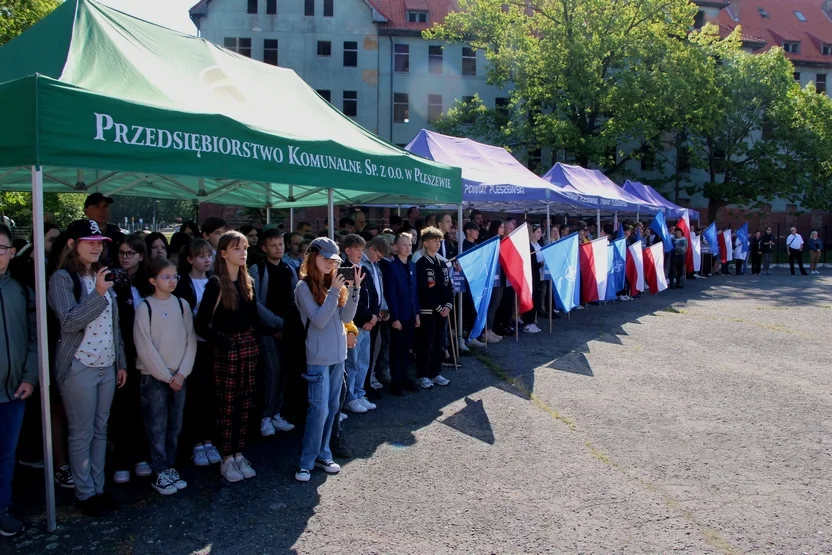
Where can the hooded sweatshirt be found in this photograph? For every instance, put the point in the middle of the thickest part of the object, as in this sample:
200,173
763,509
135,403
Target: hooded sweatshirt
326,340
18,337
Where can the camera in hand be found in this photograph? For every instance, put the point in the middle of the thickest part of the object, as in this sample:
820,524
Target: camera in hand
116,276
347,272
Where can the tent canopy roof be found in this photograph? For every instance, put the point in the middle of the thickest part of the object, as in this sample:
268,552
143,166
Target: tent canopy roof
491,176
592,186
649,194
160,113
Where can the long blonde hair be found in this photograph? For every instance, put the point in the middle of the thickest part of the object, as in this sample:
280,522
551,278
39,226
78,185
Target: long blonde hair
228,290
318,282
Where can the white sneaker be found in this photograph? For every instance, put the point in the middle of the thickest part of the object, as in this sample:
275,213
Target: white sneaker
374,383
281,424
532,328
580,307
121,476
143,469
441,380
212,454
163,484
356,406
367,404
342,416
302,475
266,427
493,337
476,343
463,348
623,298
200,458
330,466
230,471
425,383
178,482
245,467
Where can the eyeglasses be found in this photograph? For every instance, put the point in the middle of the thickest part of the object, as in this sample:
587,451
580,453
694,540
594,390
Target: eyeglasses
4,249
126,254
173,278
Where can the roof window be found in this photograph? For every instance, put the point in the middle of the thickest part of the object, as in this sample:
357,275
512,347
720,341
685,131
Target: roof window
763,13
800,16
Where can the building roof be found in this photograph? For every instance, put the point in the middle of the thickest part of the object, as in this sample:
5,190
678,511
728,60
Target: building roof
396,13
782,25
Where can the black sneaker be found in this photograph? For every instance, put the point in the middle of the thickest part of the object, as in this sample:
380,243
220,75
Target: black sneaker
91,507
411,386
63,477
9,525
330,466
107,501
339,449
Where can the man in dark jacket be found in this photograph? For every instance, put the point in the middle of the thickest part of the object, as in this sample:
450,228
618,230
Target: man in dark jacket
401,293
436,298
18,374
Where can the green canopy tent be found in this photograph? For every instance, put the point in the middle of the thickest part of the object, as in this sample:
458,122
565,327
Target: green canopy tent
106,102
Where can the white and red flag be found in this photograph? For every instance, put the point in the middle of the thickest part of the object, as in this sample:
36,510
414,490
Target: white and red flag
654,268
635,268
594,270
516,260
684,225
726,243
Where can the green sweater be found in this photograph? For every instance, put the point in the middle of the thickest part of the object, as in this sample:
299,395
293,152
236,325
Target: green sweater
18,338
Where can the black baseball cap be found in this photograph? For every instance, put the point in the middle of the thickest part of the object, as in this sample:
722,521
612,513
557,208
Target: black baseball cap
97,198
85,230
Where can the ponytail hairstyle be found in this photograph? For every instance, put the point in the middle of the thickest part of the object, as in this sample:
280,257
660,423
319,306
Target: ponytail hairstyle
318,282
193,249
228,289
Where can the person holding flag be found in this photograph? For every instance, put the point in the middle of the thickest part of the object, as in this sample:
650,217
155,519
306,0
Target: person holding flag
480,265
677,259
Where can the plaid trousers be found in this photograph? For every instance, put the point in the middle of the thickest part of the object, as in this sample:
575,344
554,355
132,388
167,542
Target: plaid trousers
234,374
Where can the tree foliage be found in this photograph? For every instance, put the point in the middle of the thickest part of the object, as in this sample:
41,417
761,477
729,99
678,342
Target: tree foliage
66,207
18,15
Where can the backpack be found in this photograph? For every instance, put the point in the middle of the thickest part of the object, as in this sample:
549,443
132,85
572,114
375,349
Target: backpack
150,310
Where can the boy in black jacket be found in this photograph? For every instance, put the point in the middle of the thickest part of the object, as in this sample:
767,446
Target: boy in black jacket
436,298
366,317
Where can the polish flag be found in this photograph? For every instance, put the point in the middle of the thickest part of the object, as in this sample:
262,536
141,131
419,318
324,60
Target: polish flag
654,268
635,268
594,270
516,260
684,225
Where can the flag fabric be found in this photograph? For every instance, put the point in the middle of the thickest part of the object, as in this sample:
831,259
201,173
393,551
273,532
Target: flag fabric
684,225
516,260
638,234
620,233
561,261
696,247
654,269
616,264
635,268
710,237
659,225
480,265
594,268
742,235
729,246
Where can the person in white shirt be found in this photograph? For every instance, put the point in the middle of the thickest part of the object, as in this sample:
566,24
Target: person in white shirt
794,242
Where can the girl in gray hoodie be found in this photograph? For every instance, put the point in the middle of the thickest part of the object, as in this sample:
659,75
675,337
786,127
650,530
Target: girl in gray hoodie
326,302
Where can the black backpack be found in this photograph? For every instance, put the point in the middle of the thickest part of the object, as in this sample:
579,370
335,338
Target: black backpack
150,309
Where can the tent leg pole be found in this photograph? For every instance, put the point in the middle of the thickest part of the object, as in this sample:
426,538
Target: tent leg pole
43,342
330,214
291,219
548,225
460,236
516,319
268,215
551,307
398,209
597,223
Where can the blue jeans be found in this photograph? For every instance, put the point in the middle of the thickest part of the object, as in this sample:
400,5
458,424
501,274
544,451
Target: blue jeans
324,401
162,409
358,364
11,419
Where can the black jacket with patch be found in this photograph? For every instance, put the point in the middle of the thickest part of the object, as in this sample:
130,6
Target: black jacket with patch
434,284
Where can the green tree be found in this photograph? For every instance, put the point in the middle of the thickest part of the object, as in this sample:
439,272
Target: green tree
18,15
66,207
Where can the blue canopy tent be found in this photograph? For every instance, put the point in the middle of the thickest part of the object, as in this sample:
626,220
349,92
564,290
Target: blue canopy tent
649,194
493,179
595,188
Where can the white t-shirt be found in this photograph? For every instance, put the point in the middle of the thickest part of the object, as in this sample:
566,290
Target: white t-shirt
199,289
97,349
794,241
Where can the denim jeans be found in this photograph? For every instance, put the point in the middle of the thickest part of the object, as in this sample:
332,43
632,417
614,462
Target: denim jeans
358,363
324,400
11,419
162,409
88,395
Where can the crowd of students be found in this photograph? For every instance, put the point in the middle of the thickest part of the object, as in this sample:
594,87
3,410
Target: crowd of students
151,342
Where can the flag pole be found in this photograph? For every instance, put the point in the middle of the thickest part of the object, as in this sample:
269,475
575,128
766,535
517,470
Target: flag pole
551,286
516,319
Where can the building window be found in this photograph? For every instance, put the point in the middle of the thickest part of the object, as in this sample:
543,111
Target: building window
435,59
327,95
683,160
469,61
535,160
240,46
763,13
793,47
350,54
826,50
252,6
350,103
800,16
820,84
270,51
434,107
271,7
328,8
401,108
648,159
417,17
308,7
501,105
402,58
699,20
324,48
797,76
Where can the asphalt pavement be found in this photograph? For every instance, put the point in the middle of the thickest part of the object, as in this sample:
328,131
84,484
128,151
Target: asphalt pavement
693,421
